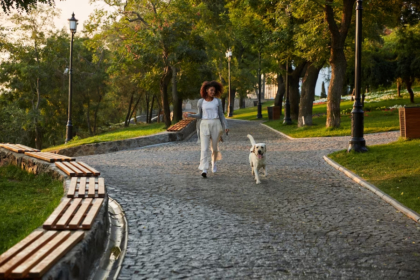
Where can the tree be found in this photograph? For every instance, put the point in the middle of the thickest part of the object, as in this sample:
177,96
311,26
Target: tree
22,5
323,93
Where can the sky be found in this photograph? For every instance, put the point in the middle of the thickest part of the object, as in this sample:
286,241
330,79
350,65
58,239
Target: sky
81,8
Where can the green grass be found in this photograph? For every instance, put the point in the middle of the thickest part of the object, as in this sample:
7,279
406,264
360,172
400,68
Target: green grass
250,113
394,168
118,134
375,120
26,201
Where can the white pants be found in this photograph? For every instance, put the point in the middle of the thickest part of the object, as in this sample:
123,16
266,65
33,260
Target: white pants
210,131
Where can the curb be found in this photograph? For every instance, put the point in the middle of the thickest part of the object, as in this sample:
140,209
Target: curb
281,133
403,209
112,259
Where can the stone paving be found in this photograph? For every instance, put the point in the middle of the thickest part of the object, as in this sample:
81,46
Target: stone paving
305,221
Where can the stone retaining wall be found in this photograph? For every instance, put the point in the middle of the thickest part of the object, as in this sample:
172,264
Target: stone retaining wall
114,146
81,261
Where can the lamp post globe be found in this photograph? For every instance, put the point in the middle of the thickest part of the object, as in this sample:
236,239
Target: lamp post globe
69,127
229,57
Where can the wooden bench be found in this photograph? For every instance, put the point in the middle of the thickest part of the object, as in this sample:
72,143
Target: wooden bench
50,157
77,169
37,253
181,124
74,213
84,187
18,148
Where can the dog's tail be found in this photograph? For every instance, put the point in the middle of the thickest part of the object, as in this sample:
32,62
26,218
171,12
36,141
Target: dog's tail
251,139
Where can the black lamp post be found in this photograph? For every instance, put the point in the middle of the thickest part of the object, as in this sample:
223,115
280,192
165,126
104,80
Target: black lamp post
229,56
287,119
259,115
69,128
357,142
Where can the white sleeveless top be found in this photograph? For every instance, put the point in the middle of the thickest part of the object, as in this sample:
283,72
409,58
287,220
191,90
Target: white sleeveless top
210,109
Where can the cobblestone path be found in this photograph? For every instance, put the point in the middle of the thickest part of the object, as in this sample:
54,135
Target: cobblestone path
305,221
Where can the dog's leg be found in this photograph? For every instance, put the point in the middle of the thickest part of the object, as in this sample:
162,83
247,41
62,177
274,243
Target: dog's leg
257,176
265,171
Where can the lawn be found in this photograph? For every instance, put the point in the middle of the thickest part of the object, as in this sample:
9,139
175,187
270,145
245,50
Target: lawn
26,201
250,113
114,135
378,118
394,168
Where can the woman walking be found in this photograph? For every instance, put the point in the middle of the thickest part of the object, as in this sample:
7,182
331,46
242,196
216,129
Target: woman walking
211,126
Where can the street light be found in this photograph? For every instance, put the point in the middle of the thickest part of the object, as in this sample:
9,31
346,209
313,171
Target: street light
357,142
287,119
229,56
259,114
69,128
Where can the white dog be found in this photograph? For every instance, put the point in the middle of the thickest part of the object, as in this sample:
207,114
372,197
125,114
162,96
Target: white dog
257,158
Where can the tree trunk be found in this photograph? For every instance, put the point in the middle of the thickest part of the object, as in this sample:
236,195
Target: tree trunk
88,117
127,117
164,82
96,112
232,97
294,96
38,136
147,107
337,58
399,87
338,66
223,104
409,84
281,90
241,102
177,113
151,109
307,95
134,108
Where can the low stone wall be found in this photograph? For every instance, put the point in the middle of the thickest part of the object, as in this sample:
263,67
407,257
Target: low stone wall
114,146
80,262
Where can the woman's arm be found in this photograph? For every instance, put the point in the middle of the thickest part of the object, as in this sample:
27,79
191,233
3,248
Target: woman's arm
199,114
221,115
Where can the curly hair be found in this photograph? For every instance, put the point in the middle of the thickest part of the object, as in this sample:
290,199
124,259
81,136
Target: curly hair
206,85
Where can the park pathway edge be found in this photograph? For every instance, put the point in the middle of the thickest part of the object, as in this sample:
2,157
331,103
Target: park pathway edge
400,207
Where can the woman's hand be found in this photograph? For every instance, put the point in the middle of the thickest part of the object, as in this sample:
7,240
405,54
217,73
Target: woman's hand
185,115
227,130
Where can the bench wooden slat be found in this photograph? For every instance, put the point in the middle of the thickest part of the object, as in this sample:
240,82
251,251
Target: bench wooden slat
90,217
23,269
53,218
101,187
26,253
85,171
53,156
52,258
77,219
13,148
20,246
65,169
39,155
93,170
72,188
77,171
82,187
26,148
65,218
92,183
